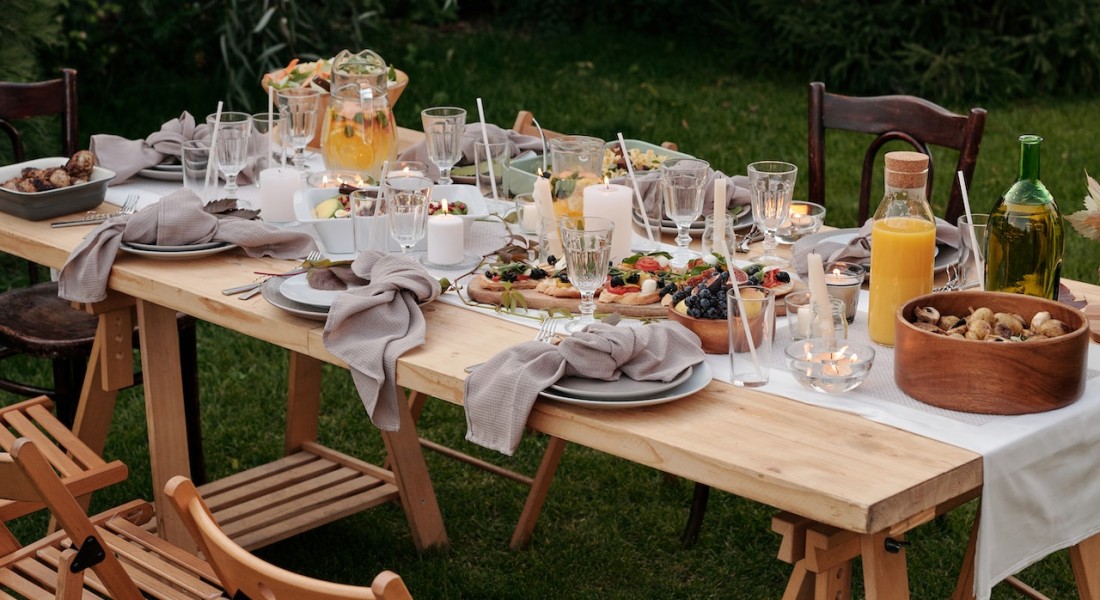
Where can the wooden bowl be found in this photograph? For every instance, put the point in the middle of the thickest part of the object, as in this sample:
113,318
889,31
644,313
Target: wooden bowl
1002,378
715,334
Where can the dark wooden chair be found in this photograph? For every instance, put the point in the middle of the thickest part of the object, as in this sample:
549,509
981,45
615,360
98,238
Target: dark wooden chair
34,321
909,119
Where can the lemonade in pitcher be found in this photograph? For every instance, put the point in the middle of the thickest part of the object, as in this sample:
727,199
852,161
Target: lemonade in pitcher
358,133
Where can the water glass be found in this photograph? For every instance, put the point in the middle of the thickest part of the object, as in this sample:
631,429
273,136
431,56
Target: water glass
195,158
708,235
406,200
527,214
586,242
266,147
232,131
443,129
576,163
751,346
367,219
298,116
771,184
968,252
683,181
499,154
804,318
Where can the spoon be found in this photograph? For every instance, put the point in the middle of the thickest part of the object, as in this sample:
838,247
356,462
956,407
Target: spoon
753,235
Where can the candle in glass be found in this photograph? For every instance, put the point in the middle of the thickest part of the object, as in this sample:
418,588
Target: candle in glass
843,280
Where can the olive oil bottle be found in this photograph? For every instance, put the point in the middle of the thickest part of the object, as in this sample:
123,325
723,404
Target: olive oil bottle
1026,240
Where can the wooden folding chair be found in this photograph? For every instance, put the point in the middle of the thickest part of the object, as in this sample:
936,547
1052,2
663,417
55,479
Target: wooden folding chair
127,562
909,119
243,573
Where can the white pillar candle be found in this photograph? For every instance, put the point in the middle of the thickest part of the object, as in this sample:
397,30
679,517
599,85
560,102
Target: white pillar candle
718,244
612,202
277,187
445,238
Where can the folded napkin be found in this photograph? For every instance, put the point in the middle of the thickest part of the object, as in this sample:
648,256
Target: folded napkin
858,249
371,326
472,134
176,220
126,157
649,186
501,393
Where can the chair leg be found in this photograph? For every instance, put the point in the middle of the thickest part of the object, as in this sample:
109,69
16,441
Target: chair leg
189,365
695,517
68,378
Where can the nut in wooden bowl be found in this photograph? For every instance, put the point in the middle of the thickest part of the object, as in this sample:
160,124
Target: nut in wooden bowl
991,377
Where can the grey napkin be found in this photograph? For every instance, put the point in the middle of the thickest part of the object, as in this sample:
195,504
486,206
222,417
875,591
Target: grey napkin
127,157
501,393
858,249
471,135
176,220
649,186
371,326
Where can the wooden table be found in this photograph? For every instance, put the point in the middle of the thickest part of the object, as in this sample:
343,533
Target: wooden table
847,485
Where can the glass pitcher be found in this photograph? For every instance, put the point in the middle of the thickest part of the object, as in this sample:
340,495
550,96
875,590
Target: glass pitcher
358,133
577,163
365,69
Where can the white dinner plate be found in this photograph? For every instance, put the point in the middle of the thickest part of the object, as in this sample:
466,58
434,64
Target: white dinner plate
178,168
945,255
623,388
176,254
297,288
700,377
187,248
271,292
743,222
162,174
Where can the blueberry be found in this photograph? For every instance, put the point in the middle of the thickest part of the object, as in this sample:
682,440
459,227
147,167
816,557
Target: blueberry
633,277
782,277
537,273
508,276
617,281
705,303
704,293
552,260
669,288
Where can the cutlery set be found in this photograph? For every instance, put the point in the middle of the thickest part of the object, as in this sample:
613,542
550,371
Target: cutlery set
129,207
249,290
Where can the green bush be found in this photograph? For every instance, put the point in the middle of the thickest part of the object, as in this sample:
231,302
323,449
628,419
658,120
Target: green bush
29,28
949,50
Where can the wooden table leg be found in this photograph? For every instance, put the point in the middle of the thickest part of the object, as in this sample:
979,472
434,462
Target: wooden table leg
1085,559
164,414
964,587
540,487
303,401
110,368
410,471
885,576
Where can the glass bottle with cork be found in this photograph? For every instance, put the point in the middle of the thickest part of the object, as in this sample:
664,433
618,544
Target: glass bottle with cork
1026,239
903,243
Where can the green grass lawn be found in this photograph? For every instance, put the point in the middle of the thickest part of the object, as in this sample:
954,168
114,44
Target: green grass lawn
610,529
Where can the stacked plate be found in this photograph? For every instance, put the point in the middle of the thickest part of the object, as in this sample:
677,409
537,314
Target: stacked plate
164,171
744,221
176,252
629,393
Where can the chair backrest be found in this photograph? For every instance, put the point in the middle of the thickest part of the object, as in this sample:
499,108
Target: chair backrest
29,477
40,99
913,120
240,571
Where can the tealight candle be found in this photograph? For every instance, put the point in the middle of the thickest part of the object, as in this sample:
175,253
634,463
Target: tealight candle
843,280
612,202
445,238
335,179
277,187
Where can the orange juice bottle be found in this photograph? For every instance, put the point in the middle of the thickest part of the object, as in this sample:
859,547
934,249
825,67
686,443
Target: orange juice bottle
903,243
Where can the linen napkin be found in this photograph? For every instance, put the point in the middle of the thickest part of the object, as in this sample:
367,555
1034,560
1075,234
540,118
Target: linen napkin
126,157
471,135
176,220
371,326
649,186
501,393
858,249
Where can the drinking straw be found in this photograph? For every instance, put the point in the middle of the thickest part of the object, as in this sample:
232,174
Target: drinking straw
270,109
542,137
978,262
213,150
637,192
270,120
819,294
488,153
719,234
723,249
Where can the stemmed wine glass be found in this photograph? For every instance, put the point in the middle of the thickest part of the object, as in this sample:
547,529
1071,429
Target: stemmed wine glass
771,184
684,181
406,200
586,243
443,128
232,131
298,118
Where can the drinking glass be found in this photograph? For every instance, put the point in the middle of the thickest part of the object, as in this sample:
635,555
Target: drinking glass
586,242
683,181
298,115
771,184
366,218
406,204
968,269
443,128
267,142
232,130
196,159
751,347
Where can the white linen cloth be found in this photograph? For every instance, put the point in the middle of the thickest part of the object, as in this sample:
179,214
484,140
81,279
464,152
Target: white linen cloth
175,221
369,327
499,395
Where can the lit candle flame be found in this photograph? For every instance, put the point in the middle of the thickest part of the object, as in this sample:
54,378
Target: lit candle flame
445,210
606,183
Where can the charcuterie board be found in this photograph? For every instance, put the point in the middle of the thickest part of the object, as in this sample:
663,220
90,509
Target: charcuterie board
539,301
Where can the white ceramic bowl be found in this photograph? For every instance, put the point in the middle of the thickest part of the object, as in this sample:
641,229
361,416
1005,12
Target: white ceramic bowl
336,235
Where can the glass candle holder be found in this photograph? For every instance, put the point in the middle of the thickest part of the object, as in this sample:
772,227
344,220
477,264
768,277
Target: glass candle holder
843,280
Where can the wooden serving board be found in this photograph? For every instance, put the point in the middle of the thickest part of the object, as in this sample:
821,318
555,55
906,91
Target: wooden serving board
537,300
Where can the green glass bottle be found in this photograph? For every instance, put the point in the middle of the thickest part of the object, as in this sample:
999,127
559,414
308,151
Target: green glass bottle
1026,239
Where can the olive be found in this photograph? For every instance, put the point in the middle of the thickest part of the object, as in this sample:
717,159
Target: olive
633,277
537,273
617,281
552,260
783,277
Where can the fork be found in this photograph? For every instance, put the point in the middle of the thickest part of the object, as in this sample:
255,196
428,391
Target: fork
546,334
753,235
129,207
250,290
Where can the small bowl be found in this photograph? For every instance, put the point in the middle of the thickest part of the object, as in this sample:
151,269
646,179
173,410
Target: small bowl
714,333
39,206
806,219
833,366
1002,378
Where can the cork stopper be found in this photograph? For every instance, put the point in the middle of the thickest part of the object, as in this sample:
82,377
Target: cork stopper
906,169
